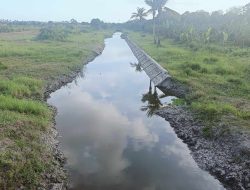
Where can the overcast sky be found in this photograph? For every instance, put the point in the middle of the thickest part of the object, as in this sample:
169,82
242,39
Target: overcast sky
107,10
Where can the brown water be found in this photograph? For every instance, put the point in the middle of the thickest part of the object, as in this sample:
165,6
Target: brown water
109,135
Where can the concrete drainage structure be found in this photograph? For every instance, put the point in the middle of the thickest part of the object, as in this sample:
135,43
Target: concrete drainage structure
154,71
158,75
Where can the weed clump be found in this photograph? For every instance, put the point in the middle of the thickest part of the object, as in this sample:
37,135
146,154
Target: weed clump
211,60
220,71
195,67
207,132
2,66
235,81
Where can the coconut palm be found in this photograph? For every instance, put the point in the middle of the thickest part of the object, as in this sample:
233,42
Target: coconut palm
153,101
156,6
152,10
140,14
160,4
137,67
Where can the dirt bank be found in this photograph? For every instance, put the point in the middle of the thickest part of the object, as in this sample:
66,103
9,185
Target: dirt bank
57,179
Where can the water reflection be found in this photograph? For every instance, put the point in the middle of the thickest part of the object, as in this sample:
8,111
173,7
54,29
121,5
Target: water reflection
112,145
137,67
153,101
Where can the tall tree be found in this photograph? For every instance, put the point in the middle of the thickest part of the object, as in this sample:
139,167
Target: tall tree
156,6
159,4
152,10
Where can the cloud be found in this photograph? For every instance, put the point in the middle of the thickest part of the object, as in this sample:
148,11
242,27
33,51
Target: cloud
96,136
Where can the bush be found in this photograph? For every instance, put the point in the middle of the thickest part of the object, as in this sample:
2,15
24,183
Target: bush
210,60
204,70
195,67
188,71
54,33
235,81
2,66
194,46
5,28
207,132
220,71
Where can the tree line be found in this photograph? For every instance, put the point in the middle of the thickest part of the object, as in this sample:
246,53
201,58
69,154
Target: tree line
55,31
231,27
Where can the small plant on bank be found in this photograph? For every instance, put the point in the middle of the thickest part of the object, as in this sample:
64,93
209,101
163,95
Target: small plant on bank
207,132
2,66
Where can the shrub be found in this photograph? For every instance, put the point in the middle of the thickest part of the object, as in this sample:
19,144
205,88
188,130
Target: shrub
2,66
5,28
188,71
54,33
207,132
235,81
194,46
204,70
210,60
195,67
220,71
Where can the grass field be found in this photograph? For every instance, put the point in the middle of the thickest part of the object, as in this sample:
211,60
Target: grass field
26,67
219,78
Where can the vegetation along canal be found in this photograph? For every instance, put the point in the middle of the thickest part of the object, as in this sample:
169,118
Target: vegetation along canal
111,138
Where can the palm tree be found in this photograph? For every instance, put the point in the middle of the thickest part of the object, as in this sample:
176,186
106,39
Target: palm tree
153,9
137,67
153,101
160,4
156,6
140,14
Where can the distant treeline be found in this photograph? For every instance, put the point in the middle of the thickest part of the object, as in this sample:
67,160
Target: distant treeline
232,27
56,31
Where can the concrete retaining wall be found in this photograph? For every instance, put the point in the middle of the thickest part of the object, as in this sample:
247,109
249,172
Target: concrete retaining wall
155,72
158,75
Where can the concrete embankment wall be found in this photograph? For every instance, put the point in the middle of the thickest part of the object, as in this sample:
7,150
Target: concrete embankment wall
158,75
154,71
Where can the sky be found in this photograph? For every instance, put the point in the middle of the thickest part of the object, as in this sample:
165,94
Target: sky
106,10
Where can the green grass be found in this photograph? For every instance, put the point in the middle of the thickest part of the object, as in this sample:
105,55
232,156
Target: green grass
22,87
217,76
26,67
23,106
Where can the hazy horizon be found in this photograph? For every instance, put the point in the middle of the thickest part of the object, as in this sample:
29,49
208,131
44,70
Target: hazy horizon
108,11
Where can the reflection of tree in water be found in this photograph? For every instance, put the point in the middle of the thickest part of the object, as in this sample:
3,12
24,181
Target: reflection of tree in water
137,67
153,101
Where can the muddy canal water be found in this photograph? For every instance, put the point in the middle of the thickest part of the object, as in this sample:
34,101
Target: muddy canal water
109,135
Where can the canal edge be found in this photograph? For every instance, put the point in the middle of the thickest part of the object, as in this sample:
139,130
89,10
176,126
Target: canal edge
51,137
218,157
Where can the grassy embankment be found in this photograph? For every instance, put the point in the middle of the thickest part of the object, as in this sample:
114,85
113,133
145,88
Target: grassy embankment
26,67
219,78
